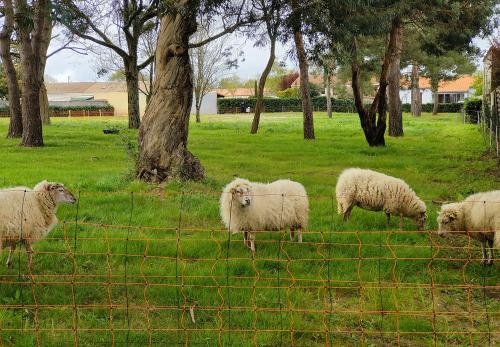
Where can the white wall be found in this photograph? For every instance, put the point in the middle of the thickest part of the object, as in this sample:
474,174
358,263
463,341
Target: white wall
405,96
208,104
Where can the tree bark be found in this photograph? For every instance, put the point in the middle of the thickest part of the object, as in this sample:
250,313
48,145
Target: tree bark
259,103
16,122
435,100
416,99
163,134
395,113
328,88
132,79
44,105
198,119
304,73
374,126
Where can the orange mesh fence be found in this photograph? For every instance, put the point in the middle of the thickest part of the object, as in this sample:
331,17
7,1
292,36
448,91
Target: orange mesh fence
94,283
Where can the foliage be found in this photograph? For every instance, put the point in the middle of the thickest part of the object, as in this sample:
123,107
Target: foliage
3,83
4,110
117,76
472,107
289,93
478,83
442,108
229,105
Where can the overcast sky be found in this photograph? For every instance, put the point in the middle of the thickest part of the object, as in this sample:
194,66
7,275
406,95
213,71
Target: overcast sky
68,65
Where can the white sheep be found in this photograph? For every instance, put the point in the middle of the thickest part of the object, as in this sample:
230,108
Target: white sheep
478,216
375,191
251,207
28,215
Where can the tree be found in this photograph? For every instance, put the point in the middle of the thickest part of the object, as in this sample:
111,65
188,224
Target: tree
478,83
296,27
209,65
394,78
231,83
163,135
271,12
34,27
16,122
107,25
444,68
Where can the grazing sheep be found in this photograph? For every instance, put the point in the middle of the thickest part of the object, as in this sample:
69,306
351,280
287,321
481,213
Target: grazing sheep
28,215
479,213
375,191
251,207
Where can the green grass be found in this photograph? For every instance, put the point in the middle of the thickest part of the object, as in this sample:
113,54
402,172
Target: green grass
439,157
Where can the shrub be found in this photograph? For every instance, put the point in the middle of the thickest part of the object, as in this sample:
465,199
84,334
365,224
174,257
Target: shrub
231,105
442,108
472,107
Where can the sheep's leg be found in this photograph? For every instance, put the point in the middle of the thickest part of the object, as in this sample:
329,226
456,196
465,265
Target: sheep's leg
388,215
490,252
292,233
299,234
401,222
29,250
484,261
252,243
245,236
12,248
347,212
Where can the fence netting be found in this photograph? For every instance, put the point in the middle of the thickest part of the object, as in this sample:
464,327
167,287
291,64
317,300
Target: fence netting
178,277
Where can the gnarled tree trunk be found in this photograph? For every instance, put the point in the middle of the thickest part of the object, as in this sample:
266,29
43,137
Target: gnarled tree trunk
416,99
262,83
132,79
163,134
16,122
395,113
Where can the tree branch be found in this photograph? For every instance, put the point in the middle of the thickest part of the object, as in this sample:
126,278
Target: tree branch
228,30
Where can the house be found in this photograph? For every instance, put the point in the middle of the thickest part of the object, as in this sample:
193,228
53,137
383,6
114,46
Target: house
244,93
115,93
448,91
208,104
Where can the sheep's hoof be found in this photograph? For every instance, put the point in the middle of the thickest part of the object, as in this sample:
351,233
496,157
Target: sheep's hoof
9,266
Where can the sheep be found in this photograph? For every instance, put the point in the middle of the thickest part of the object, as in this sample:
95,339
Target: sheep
375,191
479,213
28,215
250,207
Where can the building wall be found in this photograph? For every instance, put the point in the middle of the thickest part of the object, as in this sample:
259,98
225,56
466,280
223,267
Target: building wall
119,101
208,104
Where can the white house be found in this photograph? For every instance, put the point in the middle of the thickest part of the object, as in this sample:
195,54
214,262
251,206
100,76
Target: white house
448,91
208,104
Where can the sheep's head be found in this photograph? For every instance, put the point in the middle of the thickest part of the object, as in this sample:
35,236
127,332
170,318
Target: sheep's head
242,193
59,193
420,219
449,218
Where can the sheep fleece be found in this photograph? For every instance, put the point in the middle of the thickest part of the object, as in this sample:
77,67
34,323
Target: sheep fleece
276,205
376,192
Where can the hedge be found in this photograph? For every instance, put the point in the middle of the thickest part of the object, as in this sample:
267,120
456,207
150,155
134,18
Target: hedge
58,110
442,108
472,109
232,105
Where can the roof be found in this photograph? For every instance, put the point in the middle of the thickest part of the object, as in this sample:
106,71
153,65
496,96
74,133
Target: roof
314,79
461,84
238,92
86,87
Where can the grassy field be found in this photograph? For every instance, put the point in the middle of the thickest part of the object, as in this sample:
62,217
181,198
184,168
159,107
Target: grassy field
89,284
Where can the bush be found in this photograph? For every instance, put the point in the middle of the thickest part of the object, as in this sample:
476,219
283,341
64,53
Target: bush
442,108
289,93
472,107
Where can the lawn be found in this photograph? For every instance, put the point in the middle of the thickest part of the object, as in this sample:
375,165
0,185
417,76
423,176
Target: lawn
130,262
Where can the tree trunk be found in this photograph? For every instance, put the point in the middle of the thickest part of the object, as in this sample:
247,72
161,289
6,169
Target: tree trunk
44,105
132,78
435,100
198,119
16,123
373,126
416,100
328,88
259,103
163,133
304,73
395,113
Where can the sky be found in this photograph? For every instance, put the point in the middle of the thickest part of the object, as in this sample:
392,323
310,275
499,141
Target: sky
73,67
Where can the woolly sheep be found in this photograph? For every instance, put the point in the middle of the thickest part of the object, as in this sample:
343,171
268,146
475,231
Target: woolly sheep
375,191
479,213
28,215
251,207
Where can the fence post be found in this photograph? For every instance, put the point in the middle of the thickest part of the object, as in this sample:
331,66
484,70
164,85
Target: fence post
69,113
100,113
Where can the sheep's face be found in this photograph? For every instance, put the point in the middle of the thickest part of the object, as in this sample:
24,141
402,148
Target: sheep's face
448,219
60,194
420,220
242,195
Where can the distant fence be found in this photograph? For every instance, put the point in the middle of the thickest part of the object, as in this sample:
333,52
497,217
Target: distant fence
126,284
489,121
58,112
